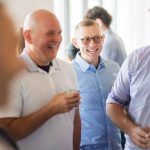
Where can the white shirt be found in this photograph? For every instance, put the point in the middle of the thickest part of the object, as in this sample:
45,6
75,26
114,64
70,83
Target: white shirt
32,90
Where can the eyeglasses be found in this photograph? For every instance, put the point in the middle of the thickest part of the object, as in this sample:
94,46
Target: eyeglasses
97,39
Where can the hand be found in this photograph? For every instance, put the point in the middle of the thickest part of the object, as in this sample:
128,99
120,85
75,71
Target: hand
65,102
141,136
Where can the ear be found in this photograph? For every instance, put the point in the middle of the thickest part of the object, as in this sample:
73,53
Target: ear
103,39
27,36
75,43
99,21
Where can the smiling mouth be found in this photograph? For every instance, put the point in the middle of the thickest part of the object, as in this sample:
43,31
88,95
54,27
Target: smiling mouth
52,47
92,50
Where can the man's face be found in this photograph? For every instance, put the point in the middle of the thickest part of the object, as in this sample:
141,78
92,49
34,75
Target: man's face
89,40
46,39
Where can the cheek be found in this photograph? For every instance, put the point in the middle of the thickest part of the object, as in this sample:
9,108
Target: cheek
83,47
83,53
60,38
38,40
100,47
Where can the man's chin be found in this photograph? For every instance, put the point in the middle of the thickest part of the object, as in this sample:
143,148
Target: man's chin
51,58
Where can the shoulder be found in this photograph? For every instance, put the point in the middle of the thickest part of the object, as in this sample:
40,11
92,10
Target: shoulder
111,66
110,63
60,62
139,57
63,65
140,53
113,40
142,50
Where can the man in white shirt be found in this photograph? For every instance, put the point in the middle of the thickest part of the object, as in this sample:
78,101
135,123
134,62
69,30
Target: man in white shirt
41,113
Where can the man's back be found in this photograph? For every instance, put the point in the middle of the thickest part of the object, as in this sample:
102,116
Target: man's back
113,48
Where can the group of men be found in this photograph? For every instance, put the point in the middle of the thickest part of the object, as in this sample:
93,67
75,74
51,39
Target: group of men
45,98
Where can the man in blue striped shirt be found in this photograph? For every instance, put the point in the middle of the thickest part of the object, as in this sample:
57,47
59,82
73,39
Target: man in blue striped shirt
132,91
95,77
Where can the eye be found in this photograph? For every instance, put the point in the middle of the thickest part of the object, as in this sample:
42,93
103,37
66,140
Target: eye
51,33
60,32
96,38
54,33
85,39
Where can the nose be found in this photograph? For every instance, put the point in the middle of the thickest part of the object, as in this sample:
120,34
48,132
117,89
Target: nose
92,43
56,38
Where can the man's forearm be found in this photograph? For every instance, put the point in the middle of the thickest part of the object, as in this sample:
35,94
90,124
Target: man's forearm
119,116
20,128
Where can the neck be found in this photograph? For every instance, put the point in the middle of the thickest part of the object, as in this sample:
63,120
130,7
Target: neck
96,63
104,29
37,60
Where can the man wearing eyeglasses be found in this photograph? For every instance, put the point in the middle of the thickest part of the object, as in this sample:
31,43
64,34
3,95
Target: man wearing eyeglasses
113,47
95,77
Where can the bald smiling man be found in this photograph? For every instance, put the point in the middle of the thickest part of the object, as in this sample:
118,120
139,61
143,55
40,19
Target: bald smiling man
42,115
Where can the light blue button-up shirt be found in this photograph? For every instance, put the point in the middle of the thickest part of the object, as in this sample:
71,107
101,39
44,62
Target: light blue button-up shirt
113,48
132,89
94,86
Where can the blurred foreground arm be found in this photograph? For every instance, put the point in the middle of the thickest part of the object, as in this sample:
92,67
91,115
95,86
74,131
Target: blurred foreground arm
77,131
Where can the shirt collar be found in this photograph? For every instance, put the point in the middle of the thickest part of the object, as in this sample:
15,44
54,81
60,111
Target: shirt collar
32,67
102,64
85,65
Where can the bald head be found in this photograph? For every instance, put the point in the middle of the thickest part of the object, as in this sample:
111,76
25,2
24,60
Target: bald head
36,18
42,34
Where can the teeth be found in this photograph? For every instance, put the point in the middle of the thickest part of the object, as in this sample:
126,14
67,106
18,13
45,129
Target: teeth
92,50
51,46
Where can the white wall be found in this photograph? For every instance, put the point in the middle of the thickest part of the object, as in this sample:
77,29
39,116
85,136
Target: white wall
20,8
131,18
133,23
